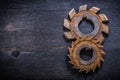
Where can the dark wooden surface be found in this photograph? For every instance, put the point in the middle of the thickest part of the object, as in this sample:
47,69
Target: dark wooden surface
32,46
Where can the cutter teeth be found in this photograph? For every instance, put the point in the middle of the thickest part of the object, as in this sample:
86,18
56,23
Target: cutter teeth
99,65
93,70
80,70
77,40
102,52
95,65
83,7
100,46
71,62
102,59
101,39
69,35
71,13
77,67
95,9
75,61
87,70
74,67
69,56
66,24
105,29
69,48
73,42
94,41
103,17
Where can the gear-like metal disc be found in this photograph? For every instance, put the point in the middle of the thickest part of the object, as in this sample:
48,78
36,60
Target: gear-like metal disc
80,63
91,41
92,15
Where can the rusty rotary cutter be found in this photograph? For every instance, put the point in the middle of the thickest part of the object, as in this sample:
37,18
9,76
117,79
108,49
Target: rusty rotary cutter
92,40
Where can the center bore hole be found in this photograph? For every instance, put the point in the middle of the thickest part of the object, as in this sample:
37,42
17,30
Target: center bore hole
86,54
86,26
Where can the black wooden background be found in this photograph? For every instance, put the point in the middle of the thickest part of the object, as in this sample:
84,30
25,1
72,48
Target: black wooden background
32,46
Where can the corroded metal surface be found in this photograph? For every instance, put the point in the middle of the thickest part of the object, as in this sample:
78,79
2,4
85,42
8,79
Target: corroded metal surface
91,14
81,64
91,40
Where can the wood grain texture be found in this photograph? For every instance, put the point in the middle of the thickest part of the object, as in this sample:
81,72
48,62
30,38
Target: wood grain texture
34,28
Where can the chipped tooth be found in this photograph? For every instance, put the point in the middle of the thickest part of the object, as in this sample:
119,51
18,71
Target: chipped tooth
66,24
71,13
103,17
94,9
105,28
69,35
83,7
